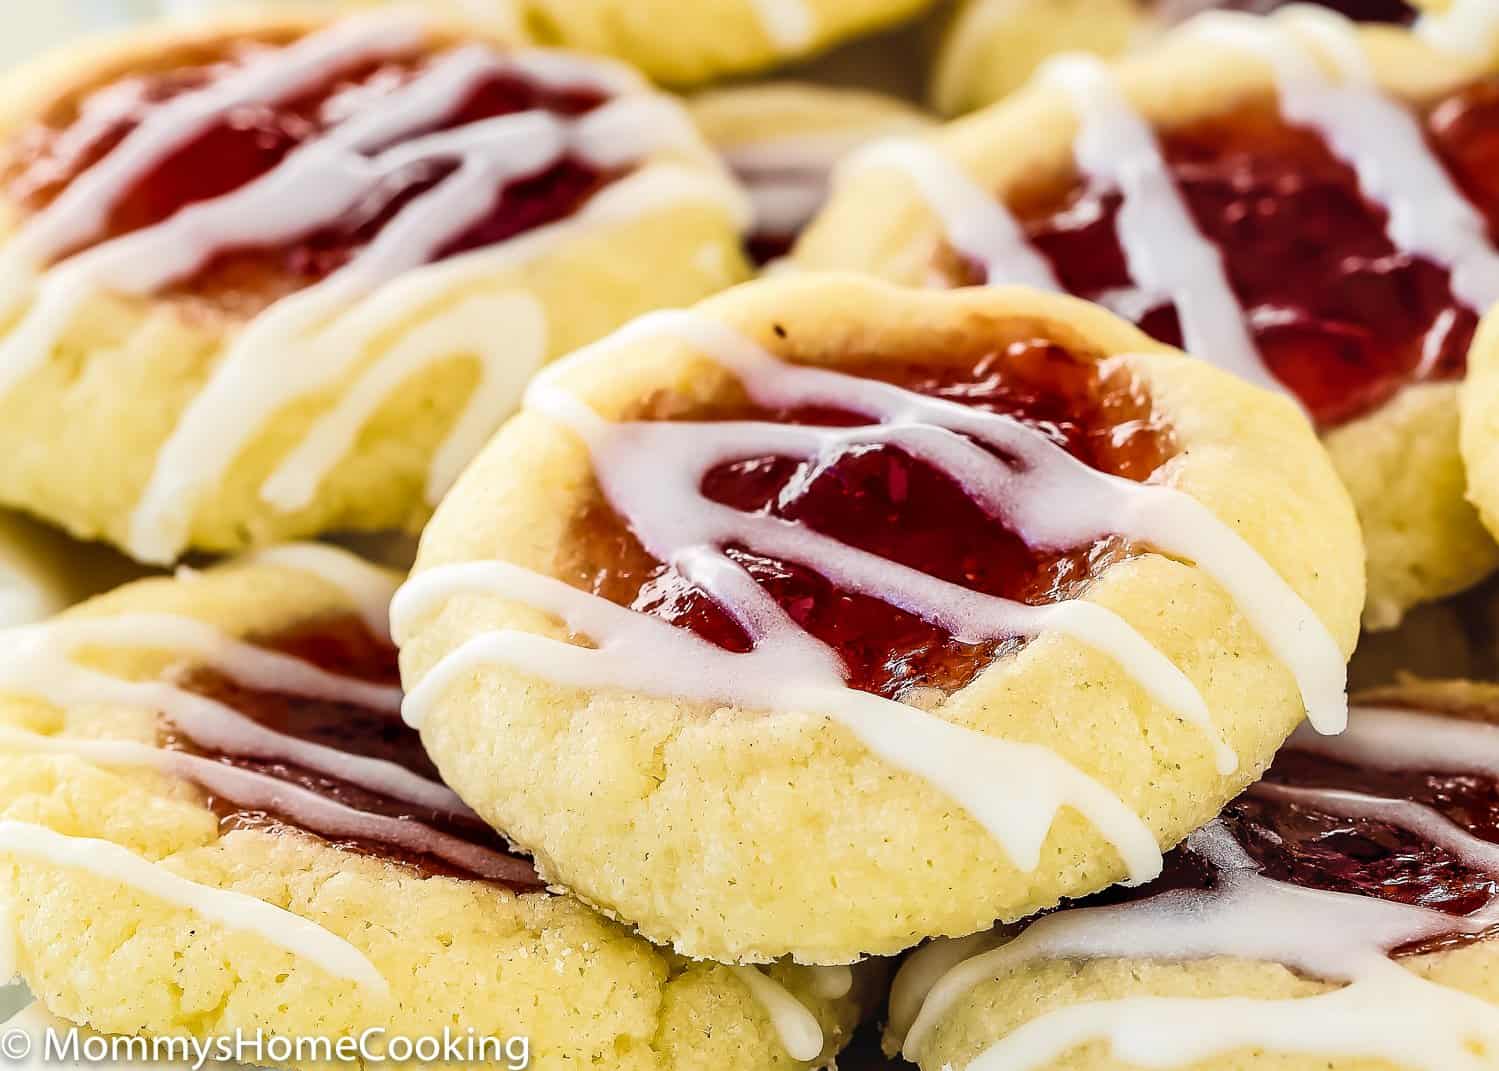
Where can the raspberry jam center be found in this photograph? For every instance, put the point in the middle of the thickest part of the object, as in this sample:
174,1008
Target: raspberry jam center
880,499
1310,844
251,140
345,646
1340,316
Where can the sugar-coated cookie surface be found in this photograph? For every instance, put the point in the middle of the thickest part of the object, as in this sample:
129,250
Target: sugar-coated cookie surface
1329,217
689,44
742,632
1341,915
197,782
254,268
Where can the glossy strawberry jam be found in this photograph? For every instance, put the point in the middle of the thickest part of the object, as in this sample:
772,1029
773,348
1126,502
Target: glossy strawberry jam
345,646
1340,316
882,500
1314,845
253,139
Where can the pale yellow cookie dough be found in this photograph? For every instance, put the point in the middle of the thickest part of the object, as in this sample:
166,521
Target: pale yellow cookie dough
738,835
455,952
1479,405
768,112
1400,462
990,48
82,432
1029,990
686,44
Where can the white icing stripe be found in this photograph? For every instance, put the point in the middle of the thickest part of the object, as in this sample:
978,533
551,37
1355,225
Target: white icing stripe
309,810
798,1028
1165,252
922,969
977,224
80,212
306,343
1391,1016
37,661
244,663
791,25
241,397
789,671
1427,822
1466,26
1391,739
233,910
787,178
505,361
1053,501
1375,135
368,588
832,983
1382,1012
1013,790
1338,937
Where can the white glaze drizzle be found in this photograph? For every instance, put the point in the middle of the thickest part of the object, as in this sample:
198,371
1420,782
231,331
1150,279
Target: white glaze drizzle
1014,790
976,223
236,911
1167,255
1375,135
303,807
787,177
925,966
797,1027
832,983
1380,1010
309,341
81,211
1165,252
651,473
368,588
1387,738
38,661
791,25
1467,26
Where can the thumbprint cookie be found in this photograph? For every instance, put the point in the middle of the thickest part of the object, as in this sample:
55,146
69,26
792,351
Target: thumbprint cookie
1307,206
1342,915
783,139
212,819
275,277
989,48
690,43
830,615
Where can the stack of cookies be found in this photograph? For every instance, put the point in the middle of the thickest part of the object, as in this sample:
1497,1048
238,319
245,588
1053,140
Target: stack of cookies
885,589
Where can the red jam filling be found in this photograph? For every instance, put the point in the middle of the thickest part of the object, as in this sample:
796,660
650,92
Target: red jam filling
253,139
1397,12
1340,316
341,645
763,247
882,500
1315,847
